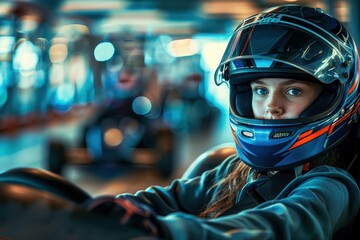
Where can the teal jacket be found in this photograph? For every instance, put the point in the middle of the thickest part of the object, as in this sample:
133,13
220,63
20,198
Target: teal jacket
311,206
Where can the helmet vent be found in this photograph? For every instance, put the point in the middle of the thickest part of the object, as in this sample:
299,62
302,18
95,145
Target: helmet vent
247,134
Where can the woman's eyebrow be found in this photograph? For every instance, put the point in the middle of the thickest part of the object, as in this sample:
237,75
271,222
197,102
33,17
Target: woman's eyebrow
258,81
288,81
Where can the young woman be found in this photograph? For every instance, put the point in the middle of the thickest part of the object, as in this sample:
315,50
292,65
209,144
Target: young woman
293,74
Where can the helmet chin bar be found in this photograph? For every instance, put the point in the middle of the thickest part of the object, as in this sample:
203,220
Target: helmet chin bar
265,149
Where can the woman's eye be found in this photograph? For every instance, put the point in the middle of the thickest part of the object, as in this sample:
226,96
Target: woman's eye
261,91
294,92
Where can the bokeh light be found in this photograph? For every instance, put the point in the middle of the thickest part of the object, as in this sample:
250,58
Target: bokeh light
64,97
113,137
26,57
58,52
141,105
104,51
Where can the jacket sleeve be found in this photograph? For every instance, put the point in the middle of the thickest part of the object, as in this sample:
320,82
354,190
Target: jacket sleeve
312,206
183,195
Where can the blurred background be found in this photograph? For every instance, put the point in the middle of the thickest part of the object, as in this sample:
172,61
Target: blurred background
117,95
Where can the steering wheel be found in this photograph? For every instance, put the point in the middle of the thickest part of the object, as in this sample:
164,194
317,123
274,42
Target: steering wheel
38,204
40,179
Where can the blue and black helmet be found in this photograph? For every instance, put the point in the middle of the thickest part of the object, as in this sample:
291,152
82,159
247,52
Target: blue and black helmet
291,41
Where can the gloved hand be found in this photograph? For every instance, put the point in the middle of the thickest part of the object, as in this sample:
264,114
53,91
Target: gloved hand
126,210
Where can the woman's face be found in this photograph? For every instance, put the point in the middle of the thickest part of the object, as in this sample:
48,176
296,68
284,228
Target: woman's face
280,98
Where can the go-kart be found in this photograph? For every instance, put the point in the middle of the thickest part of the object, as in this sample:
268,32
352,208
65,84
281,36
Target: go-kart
118,137
38,204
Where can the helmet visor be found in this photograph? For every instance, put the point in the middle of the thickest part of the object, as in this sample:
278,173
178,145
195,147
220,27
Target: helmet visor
275,47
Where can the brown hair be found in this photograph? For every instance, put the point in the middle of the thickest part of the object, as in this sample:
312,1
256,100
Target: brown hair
229,187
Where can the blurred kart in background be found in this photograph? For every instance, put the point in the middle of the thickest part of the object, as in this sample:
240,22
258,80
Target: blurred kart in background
118,137
146,106
127,130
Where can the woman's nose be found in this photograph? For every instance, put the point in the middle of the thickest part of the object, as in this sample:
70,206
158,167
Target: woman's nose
274,107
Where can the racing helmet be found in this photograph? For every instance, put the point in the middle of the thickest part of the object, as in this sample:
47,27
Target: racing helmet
296,42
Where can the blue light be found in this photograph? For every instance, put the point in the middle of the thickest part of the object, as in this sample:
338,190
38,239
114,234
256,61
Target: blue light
141,105
104,51
64,97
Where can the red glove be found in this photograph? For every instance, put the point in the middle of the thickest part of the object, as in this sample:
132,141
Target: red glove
126,210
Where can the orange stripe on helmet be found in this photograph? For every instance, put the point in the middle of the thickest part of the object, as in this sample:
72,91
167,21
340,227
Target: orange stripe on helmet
352,88
235,138
304,134
310,137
